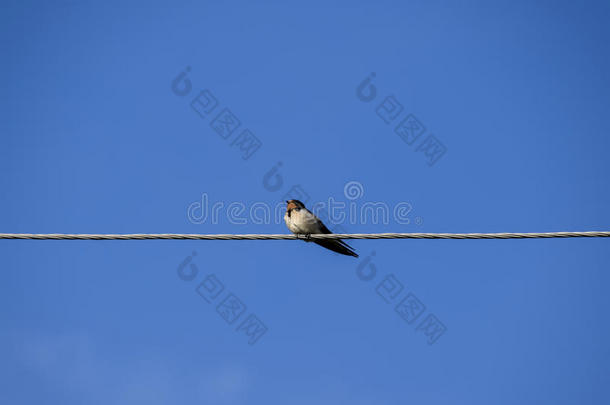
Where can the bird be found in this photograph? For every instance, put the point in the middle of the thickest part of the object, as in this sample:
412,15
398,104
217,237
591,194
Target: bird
301,221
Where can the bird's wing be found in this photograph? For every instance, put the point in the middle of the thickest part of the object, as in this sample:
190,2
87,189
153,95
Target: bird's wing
323,228
336,245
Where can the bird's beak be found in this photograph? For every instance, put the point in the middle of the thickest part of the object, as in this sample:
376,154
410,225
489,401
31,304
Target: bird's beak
287,201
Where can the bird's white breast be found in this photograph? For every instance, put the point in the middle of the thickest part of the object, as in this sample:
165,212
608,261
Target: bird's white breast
302,222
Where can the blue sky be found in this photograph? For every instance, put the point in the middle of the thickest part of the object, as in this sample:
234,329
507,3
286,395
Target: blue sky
101,135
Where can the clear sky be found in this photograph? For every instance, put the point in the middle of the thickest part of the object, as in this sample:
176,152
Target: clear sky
126,117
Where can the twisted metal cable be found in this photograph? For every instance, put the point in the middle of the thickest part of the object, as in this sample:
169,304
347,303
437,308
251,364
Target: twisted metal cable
148,236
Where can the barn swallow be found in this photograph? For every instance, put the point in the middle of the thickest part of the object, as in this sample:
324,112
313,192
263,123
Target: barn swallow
301,221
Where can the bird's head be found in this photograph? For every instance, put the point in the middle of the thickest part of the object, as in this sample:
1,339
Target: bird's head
294,204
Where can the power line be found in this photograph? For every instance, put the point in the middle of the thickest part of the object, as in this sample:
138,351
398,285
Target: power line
179,236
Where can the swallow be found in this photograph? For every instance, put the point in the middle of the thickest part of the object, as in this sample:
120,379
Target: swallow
301,221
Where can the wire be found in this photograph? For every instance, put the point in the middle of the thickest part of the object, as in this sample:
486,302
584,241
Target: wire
148,236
